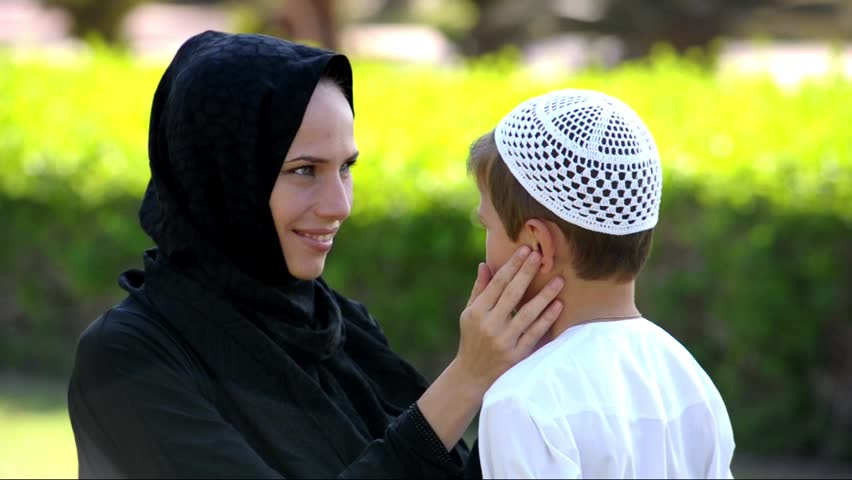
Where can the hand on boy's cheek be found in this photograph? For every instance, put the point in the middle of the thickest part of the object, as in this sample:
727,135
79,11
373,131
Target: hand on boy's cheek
540,279
490,271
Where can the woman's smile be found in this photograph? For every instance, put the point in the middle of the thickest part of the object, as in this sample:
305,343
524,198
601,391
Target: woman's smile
319,240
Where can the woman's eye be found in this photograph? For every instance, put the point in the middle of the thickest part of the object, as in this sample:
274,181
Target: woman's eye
347,167
307,170
311,170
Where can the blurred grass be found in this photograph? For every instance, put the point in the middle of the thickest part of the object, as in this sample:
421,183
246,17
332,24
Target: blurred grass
36,440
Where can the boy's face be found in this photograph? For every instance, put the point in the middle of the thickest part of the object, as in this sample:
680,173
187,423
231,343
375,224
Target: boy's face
498,246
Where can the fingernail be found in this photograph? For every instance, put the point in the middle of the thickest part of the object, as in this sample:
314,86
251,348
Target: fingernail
557,283
534,258
525,250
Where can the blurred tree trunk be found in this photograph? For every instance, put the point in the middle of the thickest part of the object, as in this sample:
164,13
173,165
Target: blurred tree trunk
681,24
314,21
640,24
500,23
103,18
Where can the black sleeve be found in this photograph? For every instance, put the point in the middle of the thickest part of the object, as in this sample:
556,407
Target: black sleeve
410,449
138,410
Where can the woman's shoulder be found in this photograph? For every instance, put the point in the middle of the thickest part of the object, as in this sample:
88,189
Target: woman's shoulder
131,331
129,318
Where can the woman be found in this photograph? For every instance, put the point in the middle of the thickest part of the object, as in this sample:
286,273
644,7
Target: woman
231,357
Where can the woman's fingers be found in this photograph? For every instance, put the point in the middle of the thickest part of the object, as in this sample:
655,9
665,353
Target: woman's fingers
530,338
534,308
483,277
517,287
492,293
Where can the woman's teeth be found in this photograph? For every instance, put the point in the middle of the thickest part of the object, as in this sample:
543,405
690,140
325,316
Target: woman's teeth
321,238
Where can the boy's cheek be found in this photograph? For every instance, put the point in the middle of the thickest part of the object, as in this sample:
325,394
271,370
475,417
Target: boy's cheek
495,259
496,253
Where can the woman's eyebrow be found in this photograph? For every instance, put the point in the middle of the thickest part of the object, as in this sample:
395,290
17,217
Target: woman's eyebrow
306,158
313,159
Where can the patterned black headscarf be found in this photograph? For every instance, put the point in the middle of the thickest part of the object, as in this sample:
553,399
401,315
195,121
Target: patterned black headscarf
223,118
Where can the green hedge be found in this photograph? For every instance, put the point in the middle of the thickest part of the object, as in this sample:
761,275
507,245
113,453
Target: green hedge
751,267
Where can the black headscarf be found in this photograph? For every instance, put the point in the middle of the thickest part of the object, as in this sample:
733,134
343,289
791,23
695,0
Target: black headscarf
223,117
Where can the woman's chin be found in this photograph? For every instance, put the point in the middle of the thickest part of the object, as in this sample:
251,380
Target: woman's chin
306,272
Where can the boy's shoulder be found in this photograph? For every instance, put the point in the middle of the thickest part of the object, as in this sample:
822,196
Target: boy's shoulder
538,379
599,367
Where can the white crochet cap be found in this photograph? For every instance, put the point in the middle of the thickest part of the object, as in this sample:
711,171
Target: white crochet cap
587,157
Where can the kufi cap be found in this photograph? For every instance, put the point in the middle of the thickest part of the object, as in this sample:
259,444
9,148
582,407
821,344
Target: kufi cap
587,157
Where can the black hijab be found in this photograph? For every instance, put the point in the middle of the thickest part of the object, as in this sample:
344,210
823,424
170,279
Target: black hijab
286,352
223,117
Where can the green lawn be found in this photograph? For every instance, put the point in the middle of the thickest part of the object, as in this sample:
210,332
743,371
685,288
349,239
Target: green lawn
35,435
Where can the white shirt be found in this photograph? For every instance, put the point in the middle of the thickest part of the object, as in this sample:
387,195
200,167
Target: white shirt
619,399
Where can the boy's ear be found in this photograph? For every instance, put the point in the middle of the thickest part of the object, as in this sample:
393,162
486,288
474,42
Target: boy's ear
541,238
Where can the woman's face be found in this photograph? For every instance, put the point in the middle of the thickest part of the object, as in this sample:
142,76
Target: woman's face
313,194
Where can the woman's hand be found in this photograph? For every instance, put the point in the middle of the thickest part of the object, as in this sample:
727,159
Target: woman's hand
492,339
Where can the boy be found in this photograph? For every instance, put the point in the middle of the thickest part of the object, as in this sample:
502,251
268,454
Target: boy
576,175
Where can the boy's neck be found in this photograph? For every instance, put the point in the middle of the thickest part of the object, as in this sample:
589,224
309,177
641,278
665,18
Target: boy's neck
593,301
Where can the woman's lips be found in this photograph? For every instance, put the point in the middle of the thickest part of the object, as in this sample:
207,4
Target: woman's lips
318,240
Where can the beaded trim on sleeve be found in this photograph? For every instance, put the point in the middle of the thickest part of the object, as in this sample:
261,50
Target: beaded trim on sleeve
425,430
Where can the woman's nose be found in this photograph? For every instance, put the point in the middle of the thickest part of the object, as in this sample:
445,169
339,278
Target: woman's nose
336,199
